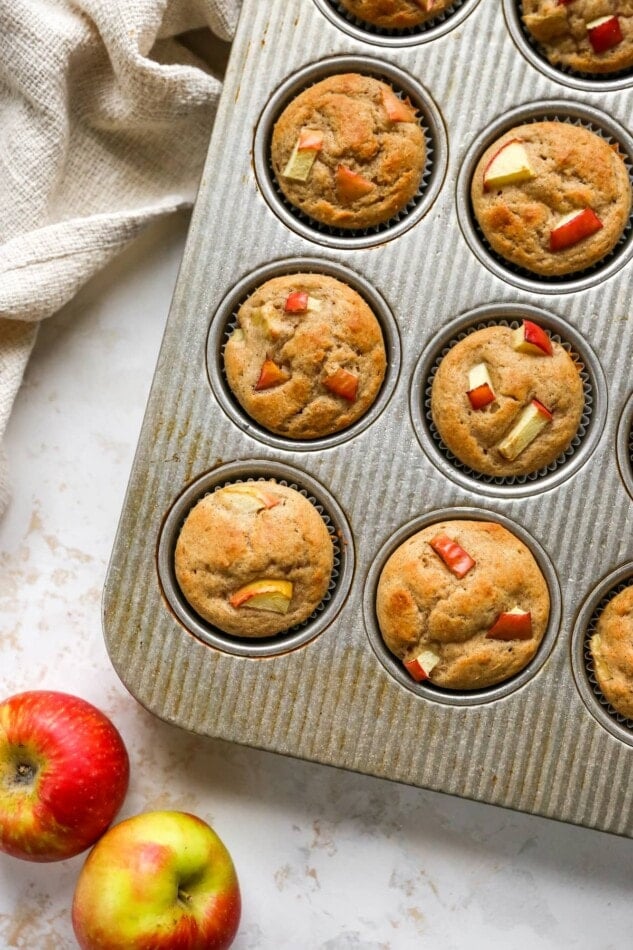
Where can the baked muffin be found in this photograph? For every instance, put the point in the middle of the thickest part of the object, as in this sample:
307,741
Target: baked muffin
551,197
612,651
254,558
348,151
506,405
588,36
307,358
395,14
462,604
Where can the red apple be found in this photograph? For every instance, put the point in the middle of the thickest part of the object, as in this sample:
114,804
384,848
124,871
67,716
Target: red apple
398,110
574,227
350,185
515,624
455,558
509,165
162,880
342,383
296,302
531,338
480,392
604,33
530,423
64,772
272,595
271,375
420,666
310,140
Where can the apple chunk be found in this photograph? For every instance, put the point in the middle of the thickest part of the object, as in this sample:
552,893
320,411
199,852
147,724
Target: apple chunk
350,185
480,392
604,33
303,155
271,375
454,556
300,302
574,227
509,166
515,624
271,595
531,338
398,110
530,423
250,497
420,666
342,383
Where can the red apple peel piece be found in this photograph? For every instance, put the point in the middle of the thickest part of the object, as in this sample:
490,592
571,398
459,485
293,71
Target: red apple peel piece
458,561
271,375
350,185
310,140
531,338
398,110
573,228
604,33
296,302
509,165
515,624
274,595
342,383
481,396
420,666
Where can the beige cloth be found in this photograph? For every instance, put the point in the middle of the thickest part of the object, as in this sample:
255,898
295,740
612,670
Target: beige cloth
105,116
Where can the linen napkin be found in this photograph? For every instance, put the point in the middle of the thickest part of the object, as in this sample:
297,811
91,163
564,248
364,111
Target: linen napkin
105,115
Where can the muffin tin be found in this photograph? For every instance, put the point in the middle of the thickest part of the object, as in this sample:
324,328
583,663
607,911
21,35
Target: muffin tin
329,691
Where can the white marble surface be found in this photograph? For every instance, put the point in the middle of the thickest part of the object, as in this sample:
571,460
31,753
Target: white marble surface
326,859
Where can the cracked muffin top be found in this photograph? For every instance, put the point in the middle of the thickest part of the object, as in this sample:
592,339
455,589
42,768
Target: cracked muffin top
463,604
551,197
612,651
307,358
395,14
507,402
589,36
254,558
349,152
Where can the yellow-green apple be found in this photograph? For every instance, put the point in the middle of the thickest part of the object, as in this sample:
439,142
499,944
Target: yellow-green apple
531,338
64,772
303,155
515,624
480,391
604,33
342,383
422,664
272,595
162,880
574,227
533,419
509,166
350,185
397,109
454,556
271,375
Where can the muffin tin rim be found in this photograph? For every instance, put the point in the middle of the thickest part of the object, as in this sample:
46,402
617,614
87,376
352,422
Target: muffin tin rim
623,441
395,40
187,618
390,663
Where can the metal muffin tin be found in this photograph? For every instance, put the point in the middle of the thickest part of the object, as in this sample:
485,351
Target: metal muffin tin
328,691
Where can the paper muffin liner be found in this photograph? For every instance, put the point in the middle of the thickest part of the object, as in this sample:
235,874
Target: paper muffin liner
429,26
340,578
590,629
512,480
225,322
585,117
537,55
433,172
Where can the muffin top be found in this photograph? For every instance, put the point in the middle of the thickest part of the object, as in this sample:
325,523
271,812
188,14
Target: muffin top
551,197
348,151
589,36
499,430
395,14
464,601
307,358
612,651
254,558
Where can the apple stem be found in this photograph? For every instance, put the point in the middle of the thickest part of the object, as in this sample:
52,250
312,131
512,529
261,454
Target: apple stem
24,773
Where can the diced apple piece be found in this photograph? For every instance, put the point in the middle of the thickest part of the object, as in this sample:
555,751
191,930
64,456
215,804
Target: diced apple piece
455,558
426,5
267,321
397,109
303,155
563,3
350,185
604,33
251,497
271,375
509,166
530,423
574,227
300,302
420,666
515,624
342,383
264,595
531,338
480,392
238,335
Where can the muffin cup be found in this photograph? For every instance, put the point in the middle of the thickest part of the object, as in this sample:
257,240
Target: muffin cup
555,110
530,48
625,445
369,33
342,572
427,690
224,322
582,660
432,176
582,445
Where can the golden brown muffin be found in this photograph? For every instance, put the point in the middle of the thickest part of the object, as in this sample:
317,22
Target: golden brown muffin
477,436
395,14
424,609
254,558
612,651
364,147
307,358
572,34
529,183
